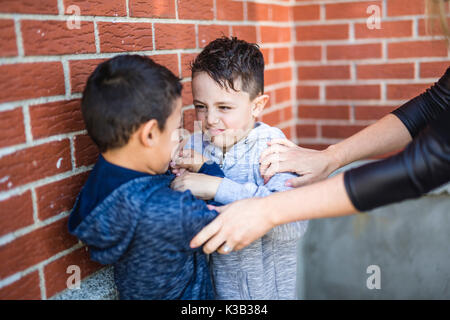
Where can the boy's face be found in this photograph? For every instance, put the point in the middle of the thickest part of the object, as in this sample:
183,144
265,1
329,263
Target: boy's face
169,139
226,115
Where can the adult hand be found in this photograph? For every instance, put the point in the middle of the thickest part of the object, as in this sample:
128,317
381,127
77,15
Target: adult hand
283,155
202,186
238,224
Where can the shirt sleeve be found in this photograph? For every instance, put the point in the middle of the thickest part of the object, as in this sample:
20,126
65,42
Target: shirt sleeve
421,110
194,216
422,166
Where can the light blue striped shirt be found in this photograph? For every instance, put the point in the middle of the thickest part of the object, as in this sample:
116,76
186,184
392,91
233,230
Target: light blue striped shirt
266,269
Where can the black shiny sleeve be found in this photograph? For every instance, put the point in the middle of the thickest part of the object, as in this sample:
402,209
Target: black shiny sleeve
418,112
422,166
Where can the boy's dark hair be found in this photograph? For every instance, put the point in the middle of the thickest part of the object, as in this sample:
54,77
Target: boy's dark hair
228,59
123,93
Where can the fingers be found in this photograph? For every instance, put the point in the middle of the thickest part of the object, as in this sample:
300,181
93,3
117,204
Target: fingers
270,166
276,148
298,182
206,234
284,142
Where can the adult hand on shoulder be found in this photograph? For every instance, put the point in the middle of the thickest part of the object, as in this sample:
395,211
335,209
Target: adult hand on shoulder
238,224
283,155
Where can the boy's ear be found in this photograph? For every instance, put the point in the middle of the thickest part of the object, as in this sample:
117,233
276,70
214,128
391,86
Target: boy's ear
258,104
149,133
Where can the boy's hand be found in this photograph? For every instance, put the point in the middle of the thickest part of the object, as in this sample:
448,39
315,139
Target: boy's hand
201,185
187,160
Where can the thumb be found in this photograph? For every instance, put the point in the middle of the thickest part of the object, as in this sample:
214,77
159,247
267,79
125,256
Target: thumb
219,209
299,181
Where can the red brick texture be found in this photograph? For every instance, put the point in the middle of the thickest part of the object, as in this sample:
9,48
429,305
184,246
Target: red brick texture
327,74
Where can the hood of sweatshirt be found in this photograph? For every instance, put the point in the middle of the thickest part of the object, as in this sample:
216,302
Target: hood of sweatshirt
108,229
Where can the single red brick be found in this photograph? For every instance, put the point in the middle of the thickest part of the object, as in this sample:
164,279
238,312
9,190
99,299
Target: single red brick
189,116
272,118
307,92
247,33
308,53
358,51
322,32
306,130
162,9
120,37
186,60
35,163
353,92
26,288
306,12
174,36
281,55
340,131
56,118
273,76
405,7
8,45
283,94
186,94
288,132
59,196
57,272
405,91
195,9
208,33
389,29
286,114
80,70
267,53
372,112
86,151
432,27
386,71
113,8
411,49
31,80
280,13
16,212
54,37
275,34
323,112
433,69
11,127
170,61
30,6
350,10
34,247
258,11
229,10
323,72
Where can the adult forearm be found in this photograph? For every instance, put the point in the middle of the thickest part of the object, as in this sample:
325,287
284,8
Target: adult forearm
325,199
386,135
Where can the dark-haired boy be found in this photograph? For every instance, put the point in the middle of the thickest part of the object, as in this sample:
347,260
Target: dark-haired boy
126,213
228,92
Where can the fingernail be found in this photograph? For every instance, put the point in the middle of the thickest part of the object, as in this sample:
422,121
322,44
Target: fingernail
288,184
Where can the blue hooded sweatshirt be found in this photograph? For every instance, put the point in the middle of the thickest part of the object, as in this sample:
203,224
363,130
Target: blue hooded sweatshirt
135,222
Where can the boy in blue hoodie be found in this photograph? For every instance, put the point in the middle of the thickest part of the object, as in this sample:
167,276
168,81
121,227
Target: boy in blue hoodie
126,212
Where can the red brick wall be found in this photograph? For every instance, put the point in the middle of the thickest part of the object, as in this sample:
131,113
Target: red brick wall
347,75
327,74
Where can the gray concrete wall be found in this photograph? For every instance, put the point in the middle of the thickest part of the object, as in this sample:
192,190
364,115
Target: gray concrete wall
409,241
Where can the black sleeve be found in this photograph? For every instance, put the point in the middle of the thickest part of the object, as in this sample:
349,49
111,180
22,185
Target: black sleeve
418,112
422,166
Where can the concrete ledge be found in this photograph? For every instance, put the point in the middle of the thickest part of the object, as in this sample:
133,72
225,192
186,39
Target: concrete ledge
98,286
